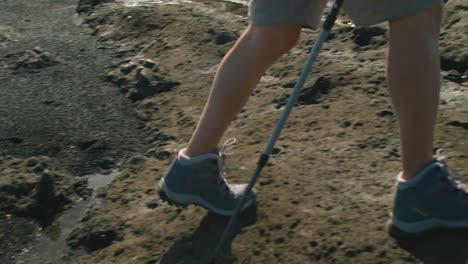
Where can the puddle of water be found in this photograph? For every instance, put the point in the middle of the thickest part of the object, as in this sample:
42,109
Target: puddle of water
51,242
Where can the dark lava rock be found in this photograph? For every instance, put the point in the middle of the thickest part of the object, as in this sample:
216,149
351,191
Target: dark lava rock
45,189
224,38
350,252
97,235
106,163
460,124
364,36
148,63
136,160
116,78
345,123
452,59
15,140
280,100
152,204
31,162
34,189
289,84
17,189
84,145
160,155
385,113
80,187
47,202
275,151
140,79
126,69
147,84
309,95
85,6
33,59
313,243
455,76
119,251
312,95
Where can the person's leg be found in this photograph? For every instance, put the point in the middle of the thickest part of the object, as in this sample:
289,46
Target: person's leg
427,197
237,76
197,175
414,81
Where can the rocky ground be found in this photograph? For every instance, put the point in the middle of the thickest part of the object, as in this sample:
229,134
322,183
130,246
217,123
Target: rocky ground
60,119
324,197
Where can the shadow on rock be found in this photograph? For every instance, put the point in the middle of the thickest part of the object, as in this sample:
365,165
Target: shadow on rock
199,247
436,246
85,6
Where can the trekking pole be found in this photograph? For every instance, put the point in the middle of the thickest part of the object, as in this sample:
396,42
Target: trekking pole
326,28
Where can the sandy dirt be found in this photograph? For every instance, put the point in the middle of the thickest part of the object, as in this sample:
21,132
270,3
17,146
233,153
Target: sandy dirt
325,195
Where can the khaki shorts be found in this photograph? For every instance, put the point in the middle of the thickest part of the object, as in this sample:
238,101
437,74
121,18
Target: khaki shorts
308,12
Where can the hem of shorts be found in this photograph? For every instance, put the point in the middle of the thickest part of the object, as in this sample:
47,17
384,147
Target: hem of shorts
366,24
393,17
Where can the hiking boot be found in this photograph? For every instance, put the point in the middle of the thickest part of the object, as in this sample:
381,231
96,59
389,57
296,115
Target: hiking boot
432,199
201,180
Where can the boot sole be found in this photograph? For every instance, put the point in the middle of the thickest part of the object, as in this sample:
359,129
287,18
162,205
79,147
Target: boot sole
400,228
182,200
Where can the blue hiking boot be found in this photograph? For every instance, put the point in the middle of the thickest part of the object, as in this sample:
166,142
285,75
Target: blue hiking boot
201,180
432,199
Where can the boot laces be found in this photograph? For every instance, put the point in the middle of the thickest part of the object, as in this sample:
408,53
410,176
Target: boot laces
222,163
456,186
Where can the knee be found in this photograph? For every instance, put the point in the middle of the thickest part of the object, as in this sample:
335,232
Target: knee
277,39
429,17
434,12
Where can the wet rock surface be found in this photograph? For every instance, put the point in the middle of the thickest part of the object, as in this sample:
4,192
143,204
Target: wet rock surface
16,234
35,189
62,110
58,118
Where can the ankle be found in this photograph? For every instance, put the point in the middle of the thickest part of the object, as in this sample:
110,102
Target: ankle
185,159
191,152
409,172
